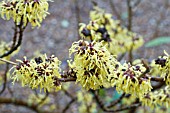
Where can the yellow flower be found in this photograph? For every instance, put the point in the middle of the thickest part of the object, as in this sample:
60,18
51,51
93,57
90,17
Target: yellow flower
92,63
32,11
128,80
163,64
41,72
157,98
116,38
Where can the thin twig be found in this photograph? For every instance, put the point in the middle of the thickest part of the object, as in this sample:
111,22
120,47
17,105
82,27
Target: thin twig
121,56
157,79
67,93
158,86
66,79
102,106
126,108
15,35
69,104
7,61
130,14
112,104
147,68
99,101
129,26
4,100
78,18
21,30
114,9
137,3
43,99
5,79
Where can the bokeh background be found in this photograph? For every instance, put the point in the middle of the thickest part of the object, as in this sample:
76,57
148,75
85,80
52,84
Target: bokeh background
151,19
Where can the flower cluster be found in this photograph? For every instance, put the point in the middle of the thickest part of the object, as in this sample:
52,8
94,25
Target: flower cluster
33,11
128,80
157,98
41,72
5,47
117,39
163,64
92,63
86,102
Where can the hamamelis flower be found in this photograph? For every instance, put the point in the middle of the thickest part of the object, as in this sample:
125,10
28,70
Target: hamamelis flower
33,11
128,80
92,63
41,72
163,64
116,38
157,98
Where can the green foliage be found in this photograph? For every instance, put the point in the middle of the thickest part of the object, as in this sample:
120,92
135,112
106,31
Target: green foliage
158,41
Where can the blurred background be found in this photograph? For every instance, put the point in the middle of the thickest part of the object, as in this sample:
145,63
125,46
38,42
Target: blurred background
151,19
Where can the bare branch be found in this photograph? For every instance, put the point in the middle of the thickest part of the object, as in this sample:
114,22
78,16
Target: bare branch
5,79
66,79
112,104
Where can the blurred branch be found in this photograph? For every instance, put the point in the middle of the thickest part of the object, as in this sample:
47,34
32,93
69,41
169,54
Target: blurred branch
15,35
114,9
147,68
5,79
67,93
129,9
66,79
15,46
99,101
14,101
132,106
136,3
43,99
129,26
69,104
113,103
78,18
155,87
104,108
10,91
121,56
157,79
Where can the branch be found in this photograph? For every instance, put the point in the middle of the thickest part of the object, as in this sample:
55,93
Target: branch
15,35
116,101
99,101
68,105
7,61
18,102
129,15
78,18
66,79
5,79
21,30
147,68
114,9
43,99
157,79
129,26
67,93
126,108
